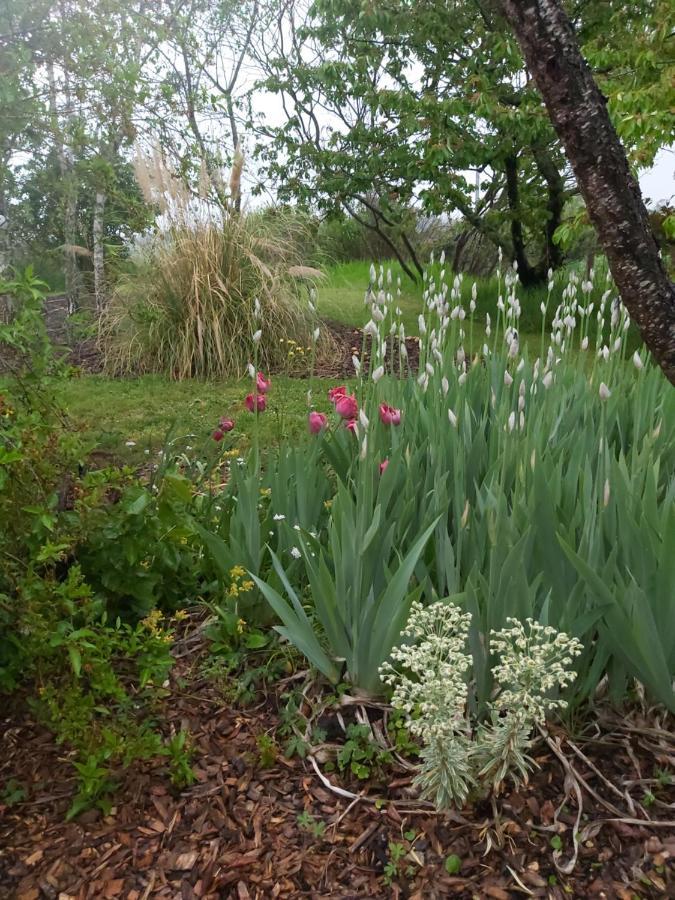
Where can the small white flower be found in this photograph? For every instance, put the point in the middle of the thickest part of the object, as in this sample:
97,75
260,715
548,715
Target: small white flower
422,324
315,335
462,378
584,343
547,380
356,362
508,380
131,443
604,391
279,517
512,421
453,418
257,336
637,361
445,386
371,329
295,553
251,370
378,373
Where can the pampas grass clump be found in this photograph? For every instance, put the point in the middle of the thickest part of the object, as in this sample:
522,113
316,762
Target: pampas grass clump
188,308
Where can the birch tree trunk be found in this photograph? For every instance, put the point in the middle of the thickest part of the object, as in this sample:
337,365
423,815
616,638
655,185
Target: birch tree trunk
65,158
99,264
579,115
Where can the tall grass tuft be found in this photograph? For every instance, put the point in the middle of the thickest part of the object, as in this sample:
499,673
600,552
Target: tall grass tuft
188,307
203,281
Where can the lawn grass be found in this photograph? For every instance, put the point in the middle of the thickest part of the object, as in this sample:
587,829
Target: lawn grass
126,417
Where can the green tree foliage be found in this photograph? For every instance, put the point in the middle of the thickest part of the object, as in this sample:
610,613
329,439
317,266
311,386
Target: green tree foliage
388,105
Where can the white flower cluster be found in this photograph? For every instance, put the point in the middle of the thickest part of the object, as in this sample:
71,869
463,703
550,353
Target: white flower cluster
535,660
429,677
434,692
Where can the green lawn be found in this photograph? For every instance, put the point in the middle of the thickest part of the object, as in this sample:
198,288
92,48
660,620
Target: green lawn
142,411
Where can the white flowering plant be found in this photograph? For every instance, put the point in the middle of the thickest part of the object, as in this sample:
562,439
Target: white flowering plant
429,674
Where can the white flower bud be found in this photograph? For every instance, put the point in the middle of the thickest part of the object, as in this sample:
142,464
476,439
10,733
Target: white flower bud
422,324
637,361
378,373
453,418
508,380
445,386
356,362
604,391
257,336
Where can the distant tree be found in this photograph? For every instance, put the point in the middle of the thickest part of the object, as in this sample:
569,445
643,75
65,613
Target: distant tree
579,114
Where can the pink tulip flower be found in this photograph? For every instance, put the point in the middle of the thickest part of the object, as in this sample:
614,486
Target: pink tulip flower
317,421
389,415
335,393
346,406
255,402
351,425
263,385
226,424
383,466
218,434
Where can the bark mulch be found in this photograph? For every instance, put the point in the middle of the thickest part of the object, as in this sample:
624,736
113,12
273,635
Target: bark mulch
235,833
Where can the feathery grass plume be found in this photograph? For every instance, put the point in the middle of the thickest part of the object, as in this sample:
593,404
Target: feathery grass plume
187,309
236,173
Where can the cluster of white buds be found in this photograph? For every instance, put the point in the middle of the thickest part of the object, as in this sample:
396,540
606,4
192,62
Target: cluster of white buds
429,682
535,662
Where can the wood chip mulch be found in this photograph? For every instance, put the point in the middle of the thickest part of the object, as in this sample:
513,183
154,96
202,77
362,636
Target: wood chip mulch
235,832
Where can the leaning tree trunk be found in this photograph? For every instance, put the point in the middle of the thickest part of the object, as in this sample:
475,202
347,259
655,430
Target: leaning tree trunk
99,263
579,115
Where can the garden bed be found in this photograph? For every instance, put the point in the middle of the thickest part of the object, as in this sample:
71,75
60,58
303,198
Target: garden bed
258,825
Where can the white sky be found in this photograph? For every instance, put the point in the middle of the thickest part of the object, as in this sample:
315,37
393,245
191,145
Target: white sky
658,184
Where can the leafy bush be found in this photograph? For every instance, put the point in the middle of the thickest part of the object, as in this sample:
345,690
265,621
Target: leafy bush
188,308
72,549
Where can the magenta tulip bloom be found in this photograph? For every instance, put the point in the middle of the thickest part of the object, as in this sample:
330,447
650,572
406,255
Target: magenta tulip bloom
263,385
317,422
389,415
347,407
256,402
335,393
218,434
226,424
383,466
351,425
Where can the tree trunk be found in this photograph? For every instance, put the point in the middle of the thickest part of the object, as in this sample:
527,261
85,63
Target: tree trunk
527,275
579,116
99,264
69,187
